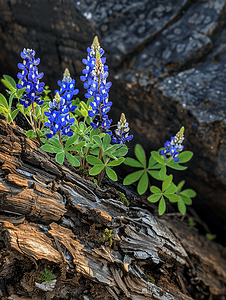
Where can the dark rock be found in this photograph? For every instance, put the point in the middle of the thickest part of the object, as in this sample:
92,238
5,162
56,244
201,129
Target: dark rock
186,41
54,29
125,25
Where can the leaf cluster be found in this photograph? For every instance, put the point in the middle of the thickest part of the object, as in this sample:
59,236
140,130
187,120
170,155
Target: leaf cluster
47,275
156,167
173,193
14,93
107,236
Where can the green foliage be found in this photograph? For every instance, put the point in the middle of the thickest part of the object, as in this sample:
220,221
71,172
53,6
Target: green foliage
123,199
14,93
191,222
156,167
108,236
55,146
46,275
173,193
211,236
82,110
103,156
150,278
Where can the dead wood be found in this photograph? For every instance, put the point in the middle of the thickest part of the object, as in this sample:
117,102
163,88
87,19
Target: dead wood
50,216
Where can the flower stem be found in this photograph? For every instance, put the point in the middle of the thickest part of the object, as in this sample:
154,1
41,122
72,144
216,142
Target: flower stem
60,138
35,125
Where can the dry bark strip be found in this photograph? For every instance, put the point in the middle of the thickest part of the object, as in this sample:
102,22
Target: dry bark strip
42,205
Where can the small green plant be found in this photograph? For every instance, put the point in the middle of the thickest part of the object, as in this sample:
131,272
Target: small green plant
46,275
156,167
191,222
107,236
211,236
151,278
13,92
124,199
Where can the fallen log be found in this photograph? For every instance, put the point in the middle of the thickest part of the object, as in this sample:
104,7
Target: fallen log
51,217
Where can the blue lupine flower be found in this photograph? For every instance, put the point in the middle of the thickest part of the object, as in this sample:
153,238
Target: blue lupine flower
95,75
121,135
67,89
30,78
58,115
174,147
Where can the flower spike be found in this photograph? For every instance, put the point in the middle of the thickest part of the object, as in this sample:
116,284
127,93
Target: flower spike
30,77
174,146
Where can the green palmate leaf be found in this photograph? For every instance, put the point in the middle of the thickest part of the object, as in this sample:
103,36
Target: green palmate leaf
156,166
155,189
30,134
154,198
55,142
50,148
186,200
106,141
172,197
101,135
181,207
171,189
131,178
162,173
115,163
167,182
77,146
94,132
96,169
143,184
132,162
174,165
154,174
188,193
180,185
93,160
111,174
60,157
3,102
95,152
110,148
151,162
10,80
140,154
97,139
162,206
185,156
122,151
157,157
111,156
73,139
73,160
44,140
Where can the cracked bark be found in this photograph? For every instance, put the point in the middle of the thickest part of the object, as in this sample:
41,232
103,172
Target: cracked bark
49,213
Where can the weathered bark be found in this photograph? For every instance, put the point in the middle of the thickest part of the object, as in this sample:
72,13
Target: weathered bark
50,216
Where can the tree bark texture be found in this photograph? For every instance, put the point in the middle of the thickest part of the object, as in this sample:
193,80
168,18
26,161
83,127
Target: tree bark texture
51,217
